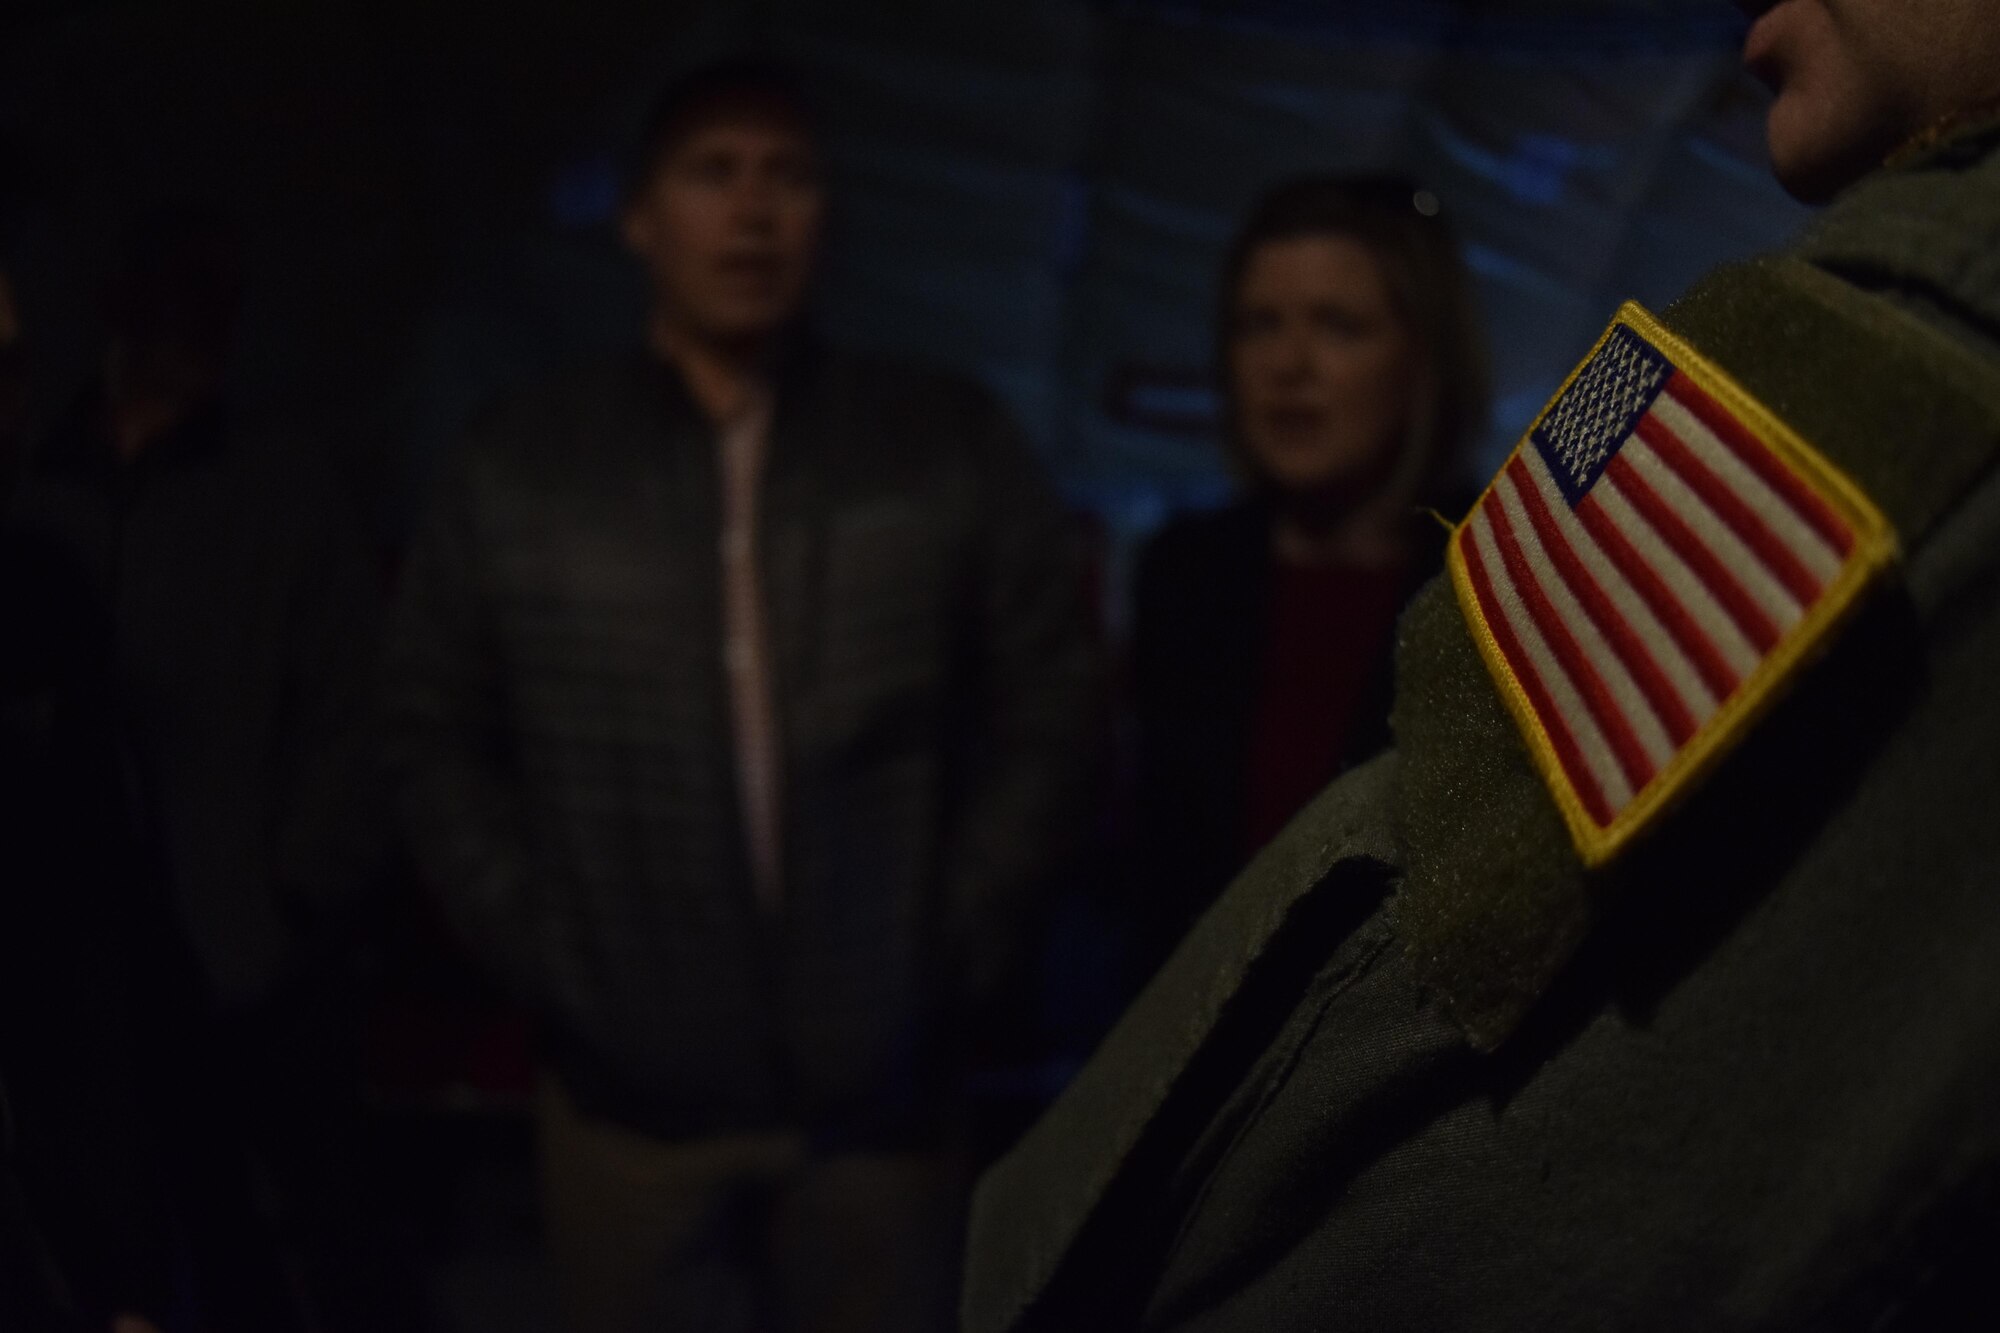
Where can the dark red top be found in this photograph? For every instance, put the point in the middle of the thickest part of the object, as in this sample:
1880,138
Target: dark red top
1324,640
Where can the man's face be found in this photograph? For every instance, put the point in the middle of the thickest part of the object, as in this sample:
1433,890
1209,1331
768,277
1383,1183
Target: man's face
729,228
1856,78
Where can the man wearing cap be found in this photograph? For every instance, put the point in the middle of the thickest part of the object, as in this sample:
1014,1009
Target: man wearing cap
1648,982
740,693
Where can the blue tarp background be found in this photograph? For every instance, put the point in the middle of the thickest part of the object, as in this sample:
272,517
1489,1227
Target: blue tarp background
1039,193
1035,192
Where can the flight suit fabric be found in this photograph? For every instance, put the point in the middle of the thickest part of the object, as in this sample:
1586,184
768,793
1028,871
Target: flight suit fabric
1733,1083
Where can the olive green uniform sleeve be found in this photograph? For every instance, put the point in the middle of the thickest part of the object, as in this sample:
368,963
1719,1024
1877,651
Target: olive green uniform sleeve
1216,993
1420,1069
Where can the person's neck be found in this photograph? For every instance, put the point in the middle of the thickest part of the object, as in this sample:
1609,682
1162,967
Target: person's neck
1373,535
725,378
1934,128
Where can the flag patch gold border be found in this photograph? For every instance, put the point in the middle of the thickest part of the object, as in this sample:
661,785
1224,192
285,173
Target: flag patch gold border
1872,549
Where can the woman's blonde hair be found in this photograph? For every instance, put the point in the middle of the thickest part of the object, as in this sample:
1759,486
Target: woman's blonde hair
1402,225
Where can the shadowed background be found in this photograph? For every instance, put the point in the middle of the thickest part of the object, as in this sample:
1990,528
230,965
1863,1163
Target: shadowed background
1036,193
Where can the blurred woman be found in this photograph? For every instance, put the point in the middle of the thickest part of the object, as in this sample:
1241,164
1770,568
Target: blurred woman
1353,374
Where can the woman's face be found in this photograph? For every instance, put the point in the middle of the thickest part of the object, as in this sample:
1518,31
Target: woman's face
1323,369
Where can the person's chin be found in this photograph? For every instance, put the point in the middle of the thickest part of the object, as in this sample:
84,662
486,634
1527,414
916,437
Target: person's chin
1320,489
1816,153
749,322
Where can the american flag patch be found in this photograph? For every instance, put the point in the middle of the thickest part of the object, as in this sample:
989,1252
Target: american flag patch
1657,557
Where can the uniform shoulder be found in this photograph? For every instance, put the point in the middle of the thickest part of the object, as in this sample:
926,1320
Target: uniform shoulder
1921,233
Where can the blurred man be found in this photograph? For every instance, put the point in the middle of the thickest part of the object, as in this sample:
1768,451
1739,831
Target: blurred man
1649,982
739,694
241,602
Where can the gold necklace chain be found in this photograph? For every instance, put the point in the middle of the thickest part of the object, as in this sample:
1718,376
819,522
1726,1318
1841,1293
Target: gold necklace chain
1944,127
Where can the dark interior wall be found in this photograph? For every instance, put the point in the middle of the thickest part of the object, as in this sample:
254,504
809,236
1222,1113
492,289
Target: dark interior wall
378,158
289,125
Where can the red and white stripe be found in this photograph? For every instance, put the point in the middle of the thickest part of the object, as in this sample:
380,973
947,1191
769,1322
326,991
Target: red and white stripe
1631,619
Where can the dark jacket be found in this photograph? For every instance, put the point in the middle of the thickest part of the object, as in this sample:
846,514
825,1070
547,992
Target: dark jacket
1200,618
562,741
1418,1069
243,604
95,998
